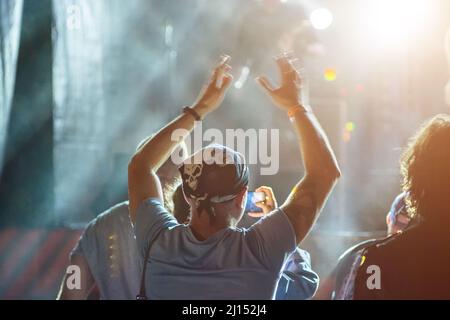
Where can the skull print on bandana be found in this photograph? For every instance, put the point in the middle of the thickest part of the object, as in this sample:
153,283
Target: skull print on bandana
192,172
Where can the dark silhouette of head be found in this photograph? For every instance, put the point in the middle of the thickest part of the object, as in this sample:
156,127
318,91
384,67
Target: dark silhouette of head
425,166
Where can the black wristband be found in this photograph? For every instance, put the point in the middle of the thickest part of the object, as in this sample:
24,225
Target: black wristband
193,113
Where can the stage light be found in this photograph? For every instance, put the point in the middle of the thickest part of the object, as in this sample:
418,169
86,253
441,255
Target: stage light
321,18
242,78
392,22
330,75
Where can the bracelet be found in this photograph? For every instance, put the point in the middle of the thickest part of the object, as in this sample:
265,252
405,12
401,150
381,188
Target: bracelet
292,111
192,112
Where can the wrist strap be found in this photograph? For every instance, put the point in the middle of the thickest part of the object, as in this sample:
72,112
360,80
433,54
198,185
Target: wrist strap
192,112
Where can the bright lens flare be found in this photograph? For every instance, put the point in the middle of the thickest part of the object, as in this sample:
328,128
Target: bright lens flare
392,22
330,75
350,126
321,18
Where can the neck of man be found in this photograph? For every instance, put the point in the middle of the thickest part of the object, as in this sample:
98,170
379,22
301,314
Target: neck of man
202,227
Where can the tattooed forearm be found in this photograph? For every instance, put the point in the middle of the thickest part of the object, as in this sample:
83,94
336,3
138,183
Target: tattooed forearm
305,203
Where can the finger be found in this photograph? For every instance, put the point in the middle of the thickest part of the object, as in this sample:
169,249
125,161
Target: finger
293,61
266,208
267,205
291,76
215,76
298,81
263,205
220,72
224,59
266,84
268,191
220,68
271,201
261,189
226,82
224,72
283,65
289,55
287,67
220,78
286,54
294,65
264,188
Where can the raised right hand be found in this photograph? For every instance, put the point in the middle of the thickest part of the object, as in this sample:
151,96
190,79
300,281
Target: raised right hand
288,95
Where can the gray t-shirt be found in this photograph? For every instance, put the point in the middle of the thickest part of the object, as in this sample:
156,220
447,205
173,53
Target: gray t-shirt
232,264
109,246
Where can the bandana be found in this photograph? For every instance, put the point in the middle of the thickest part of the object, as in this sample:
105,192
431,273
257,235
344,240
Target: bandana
216,174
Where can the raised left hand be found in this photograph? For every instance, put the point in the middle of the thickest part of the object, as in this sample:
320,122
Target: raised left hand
214,91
